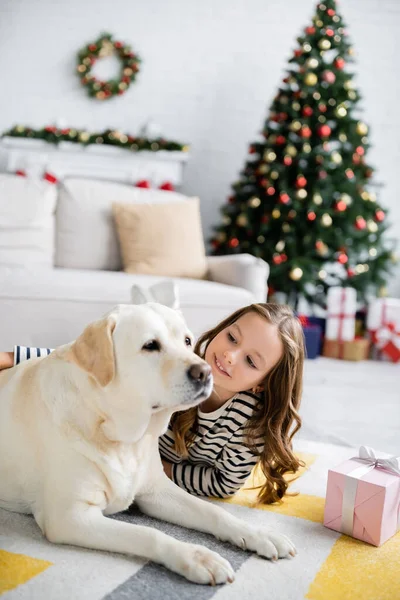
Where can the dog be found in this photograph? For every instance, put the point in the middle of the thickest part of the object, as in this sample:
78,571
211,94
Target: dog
79,441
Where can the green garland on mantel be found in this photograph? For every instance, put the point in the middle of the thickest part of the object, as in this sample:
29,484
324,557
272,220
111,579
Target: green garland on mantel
109,137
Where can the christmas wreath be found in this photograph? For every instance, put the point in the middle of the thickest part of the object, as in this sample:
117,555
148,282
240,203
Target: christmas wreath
102,47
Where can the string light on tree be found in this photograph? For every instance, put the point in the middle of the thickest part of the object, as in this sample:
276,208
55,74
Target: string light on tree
296,274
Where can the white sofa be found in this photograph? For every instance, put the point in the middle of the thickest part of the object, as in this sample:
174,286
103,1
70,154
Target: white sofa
60,265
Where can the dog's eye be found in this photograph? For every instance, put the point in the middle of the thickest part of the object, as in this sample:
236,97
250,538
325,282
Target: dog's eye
152,346
188,341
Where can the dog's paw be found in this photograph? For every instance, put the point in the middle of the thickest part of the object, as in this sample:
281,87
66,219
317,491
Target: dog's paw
265,542
201,565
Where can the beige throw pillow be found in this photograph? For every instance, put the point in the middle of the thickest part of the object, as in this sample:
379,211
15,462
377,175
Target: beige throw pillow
161,239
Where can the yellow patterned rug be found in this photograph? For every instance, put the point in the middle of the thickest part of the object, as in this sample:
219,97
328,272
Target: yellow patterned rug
329,566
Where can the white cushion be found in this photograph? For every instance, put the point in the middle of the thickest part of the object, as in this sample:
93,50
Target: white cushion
26,221
49,307
86,236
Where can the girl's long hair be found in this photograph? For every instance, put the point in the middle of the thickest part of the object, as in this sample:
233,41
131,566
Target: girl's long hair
276,418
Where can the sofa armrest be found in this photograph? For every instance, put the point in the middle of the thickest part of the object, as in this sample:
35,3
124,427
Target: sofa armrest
241,270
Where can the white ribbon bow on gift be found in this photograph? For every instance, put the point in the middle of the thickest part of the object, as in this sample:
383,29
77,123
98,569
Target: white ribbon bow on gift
367,456
387,334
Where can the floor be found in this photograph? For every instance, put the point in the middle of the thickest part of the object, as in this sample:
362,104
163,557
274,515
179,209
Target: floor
352,404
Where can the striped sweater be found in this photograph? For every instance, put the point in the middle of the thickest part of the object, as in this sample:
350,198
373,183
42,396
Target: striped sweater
218,461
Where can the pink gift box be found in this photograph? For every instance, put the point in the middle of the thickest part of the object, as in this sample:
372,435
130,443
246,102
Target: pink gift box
365,505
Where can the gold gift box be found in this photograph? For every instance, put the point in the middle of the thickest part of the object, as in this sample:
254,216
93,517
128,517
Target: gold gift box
357,349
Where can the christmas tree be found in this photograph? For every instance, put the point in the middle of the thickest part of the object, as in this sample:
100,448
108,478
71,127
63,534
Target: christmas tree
304,201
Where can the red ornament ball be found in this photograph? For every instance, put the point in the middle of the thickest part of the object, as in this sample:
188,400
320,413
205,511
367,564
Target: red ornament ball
330,32
270,190
379,215
329,76
349,174
20,173
360,150
284,198
351,272
310,30
307,111
343,258
360,223
283,257
50,177
280,140
305,131
339,62
287,160
311,216
301,181
322,107
341,206
277,259
322,174
233,243
298,52
143,183
330,12
252,150
324,131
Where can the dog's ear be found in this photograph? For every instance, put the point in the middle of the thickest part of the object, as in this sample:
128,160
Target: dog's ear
93,351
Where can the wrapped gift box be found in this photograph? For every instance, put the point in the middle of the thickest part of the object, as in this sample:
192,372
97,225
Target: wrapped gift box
383,324
363,497
312,337
341,314
356,350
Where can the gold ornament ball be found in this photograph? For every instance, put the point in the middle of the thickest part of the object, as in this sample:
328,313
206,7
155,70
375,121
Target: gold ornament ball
312,63
336,158
322,119
296,106
372,226
263,169
242,220
394,258
351,51
372,197
261,239
270,156
122,85
280,246
254,202
154,146
361,128
326,220
274,174
221,237
276,213
332,102
342,137
341,111
319,23
306,47
317,199
352,95
81,68
316,96
296,274
373,252
348,84
226,220
301,194
306,148
292,213
346,199
128,72
291,150
20,128
286,227
295,126
310,79
324,44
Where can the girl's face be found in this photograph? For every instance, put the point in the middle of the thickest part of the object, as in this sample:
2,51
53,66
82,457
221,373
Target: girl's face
241,355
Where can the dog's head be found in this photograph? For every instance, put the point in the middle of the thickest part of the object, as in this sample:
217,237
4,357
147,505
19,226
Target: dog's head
142,360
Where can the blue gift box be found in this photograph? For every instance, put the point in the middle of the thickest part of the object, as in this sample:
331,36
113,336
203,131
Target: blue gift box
313,337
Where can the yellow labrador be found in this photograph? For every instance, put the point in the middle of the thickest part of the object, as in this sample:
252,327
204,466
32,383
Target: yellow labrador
79,440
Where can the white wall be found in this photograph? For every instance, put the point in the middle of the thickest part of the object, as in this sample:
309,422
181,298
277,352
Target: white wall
210,70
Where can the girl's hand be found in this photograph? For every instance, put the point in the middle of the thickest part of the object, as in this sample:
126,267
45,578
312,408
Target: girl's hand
167,468
6,360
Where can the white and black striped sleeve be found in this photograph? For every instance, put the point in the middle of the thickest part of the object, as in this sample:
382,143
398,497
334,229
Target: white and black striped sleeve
22,353
230,471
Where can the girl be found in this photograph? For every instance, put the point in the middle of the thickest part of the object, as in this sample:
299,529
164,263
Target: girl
256,356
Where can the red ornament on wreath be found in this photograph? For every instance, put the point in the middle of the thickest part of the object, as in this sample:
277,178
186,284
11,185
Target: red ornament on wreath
106,46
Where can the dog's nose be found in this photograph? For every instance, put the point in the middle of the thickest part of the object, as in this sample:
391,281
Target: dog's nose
199,373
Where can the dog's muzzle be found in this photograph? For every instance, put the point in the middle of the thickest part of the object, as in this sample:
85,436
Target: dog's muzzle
201,379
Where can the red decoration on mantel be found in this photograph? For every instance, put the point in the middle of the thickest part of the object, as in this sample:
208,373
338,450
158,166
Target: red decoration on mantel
143,183
50,178
20,172
167,186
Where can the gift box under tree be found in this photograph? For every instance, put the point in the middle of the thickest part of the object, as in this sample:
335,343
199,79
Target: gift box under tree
312,337
383,323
